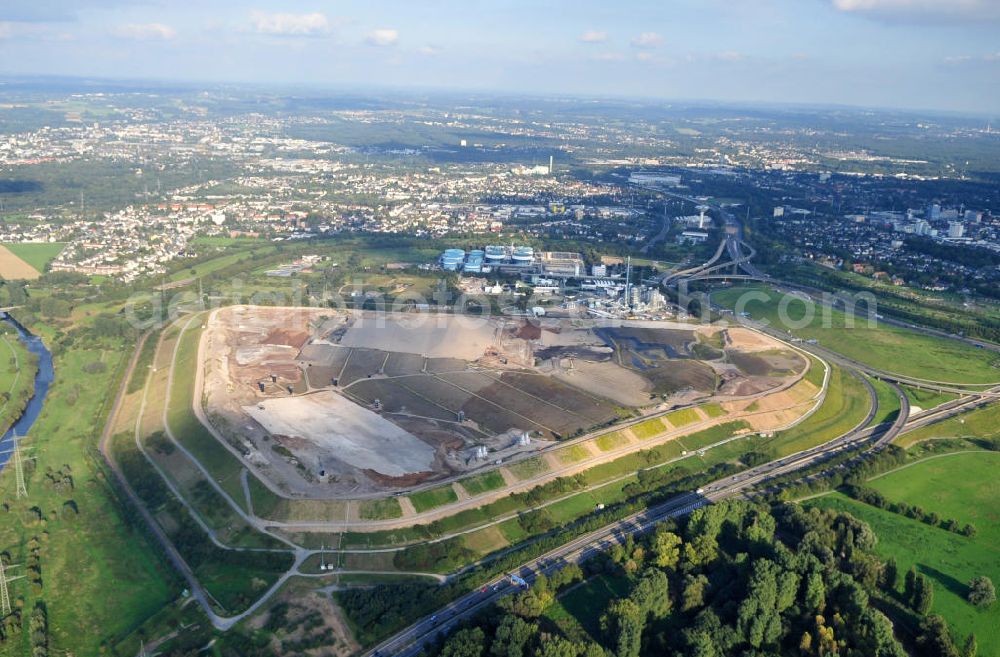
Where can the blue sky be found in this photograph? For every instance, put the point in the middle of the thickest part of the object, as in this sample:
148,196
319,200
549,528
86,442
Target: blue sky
934,54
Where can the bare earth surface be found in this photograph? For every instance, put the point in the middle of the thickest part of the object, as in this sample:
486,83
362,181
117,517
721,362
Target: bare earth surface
433,336
326,403
13,268
336,428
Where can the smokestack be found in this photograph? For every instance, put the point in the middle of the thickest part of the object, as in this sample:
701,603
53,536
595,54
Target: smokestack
551,164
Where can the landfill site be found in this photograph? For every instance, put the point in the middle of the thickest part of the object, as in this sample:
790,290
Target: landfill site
329,403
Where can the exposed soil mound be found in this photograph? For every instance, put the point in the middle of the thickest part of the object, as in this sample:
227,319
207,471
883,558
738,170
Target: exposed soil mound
286,337
529,331
403,481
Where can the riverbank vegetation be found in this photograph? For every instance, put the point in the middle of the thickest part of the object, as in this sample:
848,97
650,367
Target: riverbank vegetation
18,368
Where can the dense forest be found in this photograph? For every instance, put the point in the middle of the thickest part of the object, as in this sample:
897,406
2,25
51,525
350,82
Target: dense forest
734,579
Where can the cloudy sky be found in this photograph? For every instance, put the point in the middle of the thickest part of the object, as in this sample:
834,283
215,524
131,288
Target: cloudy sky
935,54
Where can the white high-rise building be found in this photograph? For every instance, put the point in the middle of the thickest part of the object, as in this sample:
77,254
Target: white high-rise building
956,229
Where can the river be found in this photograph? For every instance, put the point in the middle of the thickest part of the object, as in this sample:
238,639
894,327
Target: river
43,379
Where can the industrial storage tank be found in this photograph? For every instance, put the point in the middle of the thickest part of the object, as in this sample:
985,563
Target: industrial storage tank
474,263
496,254
452,259
523,255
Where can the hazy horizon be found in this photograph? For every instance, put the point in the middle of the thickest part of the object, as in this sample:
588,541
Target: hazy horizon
881,54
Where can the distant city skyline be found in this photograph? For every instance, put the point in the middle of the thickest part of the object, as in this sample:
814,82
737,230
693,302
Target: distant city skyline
918,54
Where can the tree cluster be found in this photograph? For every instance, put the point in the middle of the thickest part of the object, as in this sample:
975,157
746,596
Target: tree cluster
736,579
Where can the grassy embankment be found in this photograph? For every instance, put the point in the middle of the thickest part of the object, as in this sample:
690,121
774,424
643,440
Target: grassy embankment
980,423
888,402
846,404
885,347
927,399
233,579
18,367
191,433
176,466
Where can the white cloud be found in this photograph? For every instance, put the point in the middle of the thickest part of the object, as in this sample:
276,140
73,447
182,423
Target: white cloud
6,29
429,50
313,24
594,36
730,56
145,31
382,37
651,58
918,10
966,59
647,40
609,57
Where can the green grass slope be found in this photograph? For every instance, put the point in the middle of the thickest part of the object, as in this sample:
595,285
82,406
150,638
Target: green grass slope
962,486
885,347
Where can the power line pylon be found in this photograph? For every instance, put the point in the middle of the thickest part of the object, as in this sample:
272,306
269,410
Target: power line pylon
5,606
4,595
22,490
17,459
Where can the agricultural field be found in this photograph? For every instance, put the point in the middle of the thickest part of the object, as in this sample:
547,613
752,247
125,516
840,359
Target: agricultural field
37,255
885,347
13,267
959,486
